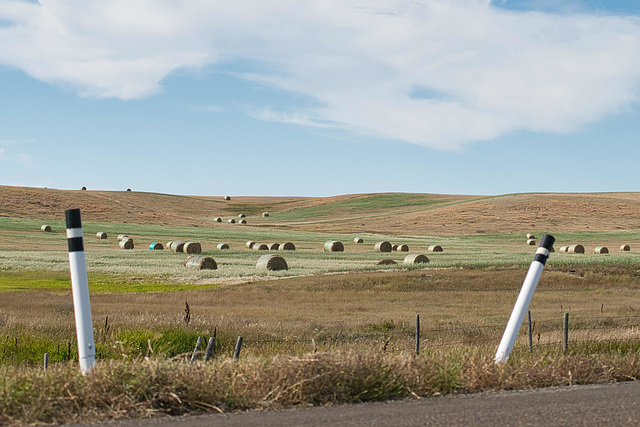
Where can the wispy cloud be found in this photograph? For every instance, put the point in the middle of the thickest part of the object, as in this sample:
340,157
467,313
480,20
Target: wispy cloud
493,70
9,154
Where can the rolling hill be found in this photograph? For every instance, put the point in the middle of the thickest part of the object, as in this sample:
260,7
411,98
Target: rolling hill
388,213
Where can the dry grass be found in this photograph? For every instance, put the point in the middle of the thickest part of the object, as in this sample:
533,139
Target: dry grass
147,388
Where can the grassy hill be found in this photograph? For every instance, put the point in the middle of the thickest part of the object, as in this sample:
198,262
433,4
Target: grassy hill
404,214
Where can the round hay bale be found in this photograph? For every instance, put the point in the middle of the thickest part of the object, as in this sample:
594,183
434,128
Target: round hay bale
231,221
242,216
101,235
563,249
126,243
416,259
46,228
260,247
273,246
333,246
122,236
177,246
601,250
201,262
358,240
250,244
156,247
383,247
265,214
192,248
242,221
394,248
576,249
402,248
288,246
223,246
435,248
625,248
128,189
386,262
271,263
530,236
227,198
84,188
218,219
531,242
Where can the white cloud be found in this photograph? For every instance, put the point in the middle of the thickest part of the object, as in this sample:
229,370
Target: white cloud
361,60
8,155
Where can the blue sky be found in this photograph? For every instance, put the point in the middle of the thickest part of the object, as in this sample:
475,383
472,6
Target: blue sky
321,97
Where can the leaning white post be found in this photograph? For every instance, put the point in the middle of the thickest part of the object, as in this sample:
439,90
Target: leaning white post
522,303
80,288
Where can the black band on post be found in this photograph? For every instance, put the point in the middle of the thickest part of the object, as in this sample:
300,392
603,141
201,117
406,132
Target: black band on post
546,243
72,217
75,244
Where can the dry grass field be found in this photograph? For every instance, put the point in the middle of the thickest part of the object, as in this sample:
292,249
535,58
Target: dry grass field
339,309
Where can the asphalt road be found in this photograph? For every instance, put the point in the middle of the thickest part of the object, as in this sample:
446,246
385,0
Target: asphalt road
592,405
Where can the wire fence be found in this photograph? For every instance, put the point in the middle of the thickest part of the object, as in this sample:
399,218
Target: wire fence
402,338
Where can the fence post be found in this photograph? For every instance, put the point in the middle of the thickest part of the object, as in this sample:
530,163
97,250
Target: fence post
210,348
46,361
195,350
565,327
530,334
236,353
417,334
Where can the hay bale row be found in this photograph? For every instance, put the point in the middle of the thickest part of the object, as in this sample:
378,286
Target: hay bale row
435,248
358,240
101,235
271,263
579,249
126,243
383,247
200,262
416,259
250,244
223,246
46,228
333,246
156,246
273,246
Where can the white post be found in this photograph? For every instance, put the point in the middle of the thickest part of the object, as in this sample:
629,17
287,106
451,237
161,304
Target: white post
80,289
522,303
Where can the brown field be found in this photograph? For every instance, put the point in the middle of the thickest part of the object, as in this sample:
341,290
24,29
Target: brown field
325,336
449,215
